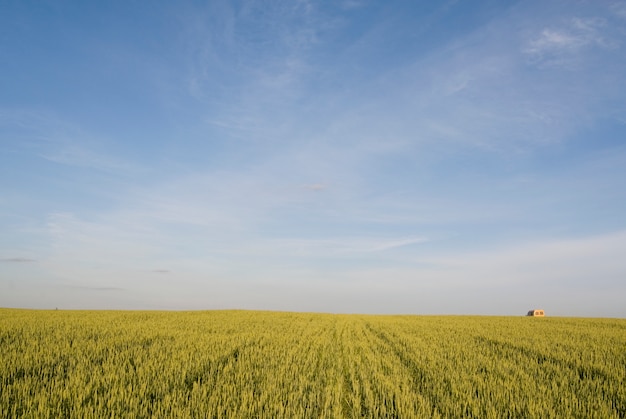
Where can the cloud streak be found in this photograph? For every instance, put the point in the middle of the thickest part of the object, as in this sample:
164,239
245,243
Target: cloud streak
95,288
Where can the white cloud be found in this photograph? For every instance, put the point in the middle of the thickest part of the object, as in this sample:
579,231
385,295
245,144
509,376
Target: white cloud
550,39
566,262
562,45
566,277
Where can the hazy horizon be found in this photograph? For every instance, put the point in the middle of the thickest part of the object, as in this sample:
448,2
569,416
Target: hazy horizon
340,157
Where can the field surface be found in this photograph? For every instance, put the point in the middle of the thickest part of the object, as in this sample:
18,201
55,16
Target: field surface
250,364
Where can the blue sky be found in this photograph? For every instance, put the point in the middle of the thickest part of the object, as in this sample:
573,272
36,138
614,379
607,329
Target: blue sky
348,156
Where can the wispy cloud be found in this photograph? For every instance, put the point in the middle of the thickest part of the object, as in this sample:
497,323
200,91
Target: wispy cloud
619,9
341,246
96,288
550,40
255,54
315,186
18,260
56,139
382,246
561,45
75,154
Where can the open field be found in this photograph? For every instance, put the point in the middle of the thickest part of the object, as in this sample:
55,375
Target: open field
269,364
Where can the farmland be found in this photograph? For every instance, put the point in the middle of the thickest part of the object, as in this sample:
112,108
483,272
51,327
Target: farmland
270,364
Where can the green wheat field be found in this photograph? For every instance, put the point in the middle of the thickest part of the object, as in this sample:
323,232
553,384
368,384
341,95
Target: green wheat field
252,364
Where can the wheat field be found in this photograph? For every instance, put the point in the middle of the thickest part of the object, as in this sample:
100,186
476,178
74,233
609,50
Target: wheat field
252,364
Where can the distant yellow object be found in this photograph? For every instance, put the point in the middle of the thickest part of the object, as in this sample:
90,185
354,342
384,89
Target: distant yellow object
536,313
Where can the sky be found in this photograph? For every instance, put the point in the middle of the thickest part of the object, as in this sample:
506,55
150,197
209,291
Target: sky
329,156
